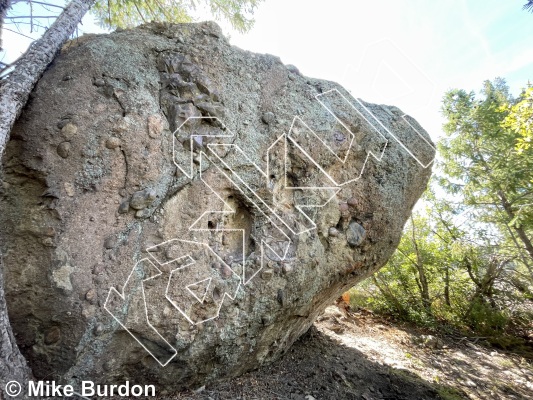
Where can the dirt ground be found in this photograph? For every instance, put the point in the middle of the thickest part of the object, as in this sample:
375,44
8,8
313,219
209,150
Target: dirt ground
356,355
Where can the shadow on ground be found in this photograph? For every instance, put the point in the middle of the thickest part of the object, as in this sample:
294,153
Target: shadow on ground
319,367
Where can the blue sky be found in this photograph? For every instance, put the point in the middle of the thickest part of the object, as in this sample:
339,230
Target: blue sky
401,52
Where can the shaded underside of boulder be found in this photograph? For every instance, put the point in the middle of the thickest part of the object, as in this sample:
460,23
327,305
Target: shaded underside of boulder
177,210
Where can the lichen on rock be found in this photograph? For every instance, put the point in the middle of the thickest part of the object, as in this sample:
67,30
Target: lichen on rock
180,211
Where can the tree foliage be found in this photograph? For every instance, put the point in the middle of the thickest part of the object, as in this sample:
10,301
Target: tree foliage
465,261
520,120
128,13
482,165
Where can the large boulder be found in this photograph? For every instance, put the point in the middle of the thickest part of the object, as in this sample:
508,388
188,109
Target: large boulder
177,210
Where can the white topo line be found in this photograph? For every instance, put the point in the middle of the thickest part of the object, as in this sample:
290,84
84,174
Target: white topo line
263,205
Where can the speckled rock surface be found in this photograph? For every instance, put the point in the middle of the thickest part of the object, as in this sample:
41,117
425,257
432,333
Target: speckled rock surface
178,210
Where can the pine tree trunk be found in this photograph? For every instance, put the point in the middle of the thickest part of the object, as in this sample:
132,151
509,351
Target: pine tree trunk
519,230
15,89
447,286
14,92
12,364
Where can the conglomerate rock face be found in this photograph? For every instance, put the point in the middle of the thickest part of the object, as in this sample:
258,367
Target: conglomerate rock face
177,210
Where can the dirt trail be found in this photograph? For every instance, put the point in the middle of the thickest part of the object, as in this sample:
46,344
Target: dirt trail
359,356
